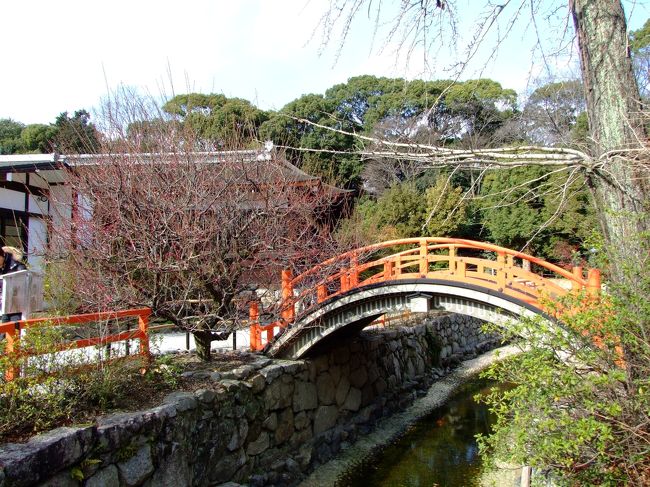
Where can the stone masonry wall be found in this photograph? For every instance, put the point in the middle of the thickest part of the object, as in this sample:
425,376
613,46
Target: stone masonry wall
265,423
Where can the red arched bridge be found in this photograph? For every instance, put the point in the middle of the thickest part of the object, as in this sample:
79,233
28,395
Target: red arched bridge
342,295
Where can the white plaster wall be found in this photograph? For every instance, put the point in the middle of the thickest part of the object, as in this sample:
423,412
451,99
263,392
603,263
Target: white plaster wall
37,243
37,204
12,200
60,206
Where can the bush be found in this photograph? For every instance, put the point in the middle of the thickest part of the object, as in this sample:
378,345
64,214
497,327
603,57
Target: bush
580,410
56,388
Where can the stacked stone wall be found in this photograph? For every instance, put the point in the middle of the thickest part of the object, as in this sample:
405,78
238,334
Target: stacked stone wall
265,423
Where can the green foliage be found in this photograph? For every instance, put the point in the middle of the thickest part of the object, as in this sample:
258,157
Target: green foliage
126,452
404,211
552,113
56,388
581,401
76,134
290,127
401,210
68,134
446,210
9,136
480,107
391,108
215,118
530,202
640,39
640,47
37,138
580,131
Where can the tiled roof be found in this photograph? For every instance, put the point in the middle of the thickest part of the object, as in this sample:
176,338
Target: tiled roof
265,163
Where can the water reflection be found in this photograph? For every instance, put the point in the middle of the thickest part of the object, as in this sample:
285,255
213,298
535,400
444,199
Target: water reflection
438,451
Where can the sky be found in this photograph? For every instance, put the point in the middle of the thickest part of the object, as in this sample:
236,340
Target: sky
69,54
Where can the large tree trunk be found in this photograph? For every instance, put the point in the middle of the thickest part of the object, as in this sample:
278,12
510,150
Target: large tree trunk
203,342
616,125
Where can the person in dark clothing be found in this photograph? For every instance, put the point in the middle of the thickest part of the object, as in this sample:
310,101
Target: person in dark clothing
11,261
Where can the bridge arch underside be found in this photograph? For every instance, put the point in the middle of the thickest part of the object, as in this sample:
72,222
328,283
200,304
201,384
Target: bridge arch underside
346,315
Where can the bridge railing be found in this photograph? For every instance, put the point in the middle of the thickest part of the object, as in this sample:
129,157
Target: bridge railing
462,261
12,331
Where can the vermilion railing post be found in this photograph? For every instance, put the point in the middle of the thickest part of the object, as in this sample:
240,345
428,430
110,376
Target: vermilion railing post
12,337
354,273
593,281
577,272
254,319
321,293
461,268
143,333
510,263
345,282
288,310
501,272
452,258
388,270
424,262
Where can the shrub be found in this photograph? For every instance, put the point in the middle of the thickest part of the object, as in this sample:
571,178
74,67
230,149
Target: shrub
58,388
580,408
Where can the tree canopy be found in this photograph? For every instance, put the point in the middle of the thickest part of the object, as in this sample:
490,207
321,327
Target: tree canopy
215,119
9,135
319,129
76,134
640,46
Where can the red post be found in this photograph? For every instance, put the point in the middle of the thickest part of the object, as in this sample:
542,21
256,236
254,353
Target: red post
321,293
424,262
255,333
388,270
354,273
452,259
143,333
577,272
461,269
288,310
345,282
12,336
501,271
593,282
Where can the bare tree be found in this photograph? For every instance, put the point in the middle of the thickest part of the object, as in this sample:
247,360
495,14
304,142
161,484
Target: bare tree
193,235
615,163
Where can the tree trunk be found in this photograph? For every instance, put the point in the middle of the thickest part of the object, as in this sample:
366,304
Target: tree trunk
203,341
615,123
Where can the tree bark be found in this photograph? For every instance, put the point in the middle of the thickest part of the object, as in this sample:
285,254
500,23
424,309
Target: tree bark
616,125
203,341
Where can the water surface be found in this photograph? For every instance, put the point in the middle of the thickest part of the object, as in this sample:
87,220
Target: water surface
440,450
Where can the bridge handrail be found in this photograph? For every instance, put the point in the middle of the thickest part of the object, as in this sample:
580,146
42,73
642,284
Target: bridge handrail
440,240
504,275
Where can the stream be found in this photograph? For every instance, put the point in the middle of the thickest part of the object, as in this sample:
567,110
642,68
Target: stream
439,450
